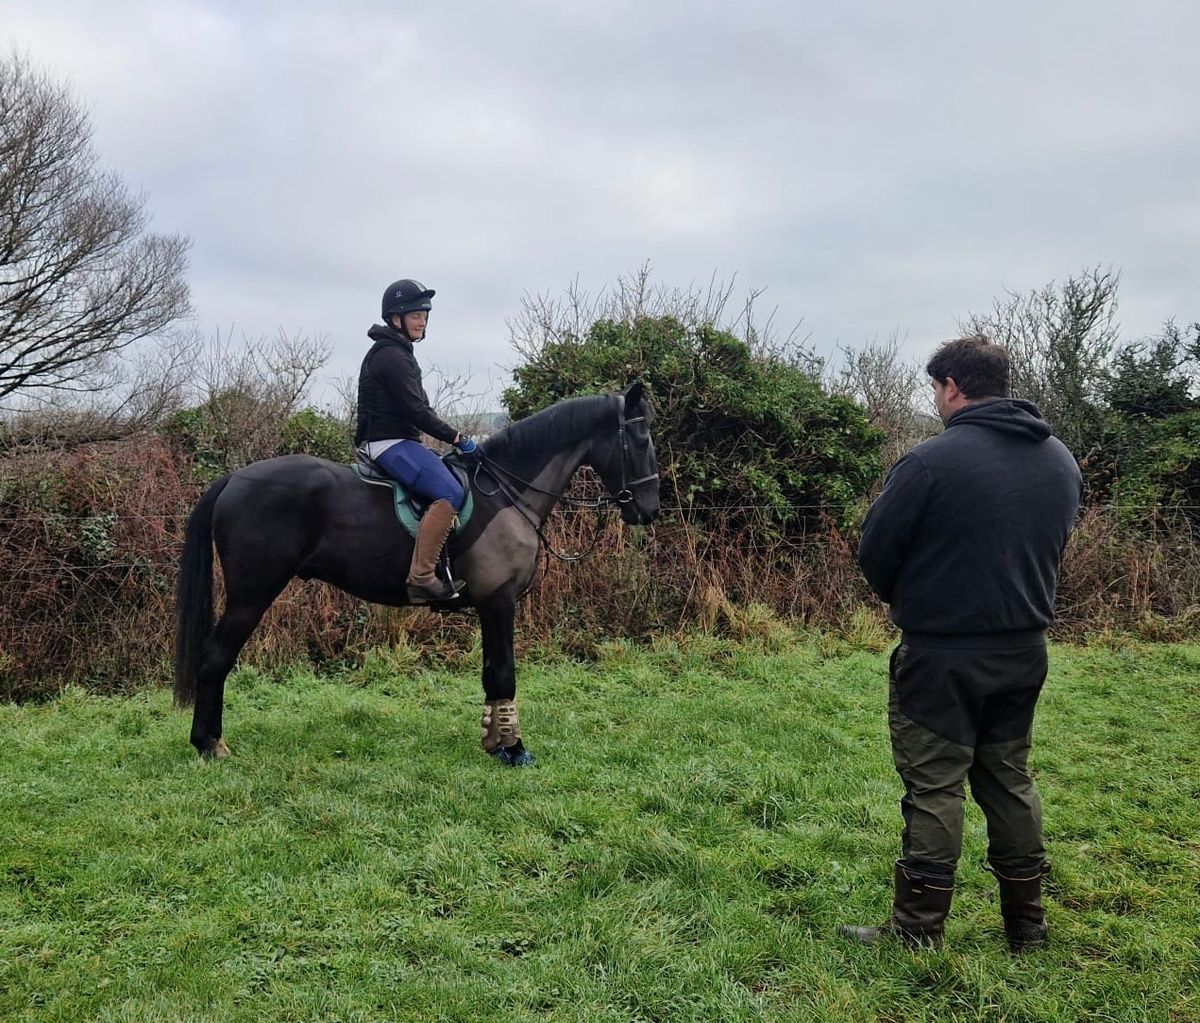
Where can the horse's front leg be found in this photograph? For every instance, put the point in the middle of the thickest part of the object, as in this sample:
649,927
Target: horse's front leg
500,727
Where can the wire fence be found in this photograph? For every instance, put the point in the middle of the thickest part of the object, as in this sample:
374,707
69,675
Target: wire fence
89,554
156,559
831,507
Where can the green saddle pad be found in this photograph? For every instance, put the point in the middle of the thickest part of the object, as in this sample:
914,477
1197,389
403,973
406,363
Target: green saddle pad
408,511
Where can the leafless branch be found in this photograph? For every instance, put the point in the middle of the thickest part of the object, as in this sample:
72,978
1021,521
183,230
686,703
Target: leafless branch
80,276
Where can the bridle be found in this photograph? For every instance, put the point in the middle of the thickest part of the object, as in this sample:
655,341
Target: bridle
504,480
625,494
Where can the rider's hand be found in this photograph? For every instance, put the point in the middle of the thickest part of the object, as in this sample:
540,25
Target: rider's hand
470,451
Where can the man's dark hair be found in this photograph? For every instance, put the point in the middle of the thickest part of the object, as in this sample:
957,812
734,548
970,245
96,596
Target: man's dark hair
979,368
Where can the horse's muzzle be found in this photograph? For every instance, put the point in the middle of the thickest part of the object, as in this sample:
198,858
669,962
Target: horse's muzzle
635,515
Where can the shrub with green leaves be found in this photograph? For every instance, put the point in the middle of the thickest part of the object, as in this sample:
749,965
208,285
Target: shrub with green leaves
741,433
1154,427
313,432
230,429
235,427
1157,377
1160,470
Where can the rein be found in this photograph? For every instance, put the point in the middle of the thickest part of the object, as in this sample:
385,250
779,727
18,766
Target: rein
599,504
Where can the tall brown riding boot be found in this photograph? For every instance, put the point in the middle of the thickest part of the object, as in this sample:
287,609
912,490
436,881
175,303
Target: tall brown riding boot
919,911
1021,908
423,585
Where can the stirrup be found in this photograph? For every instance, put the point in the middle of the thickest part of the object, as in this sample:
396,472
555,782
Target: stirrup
433,593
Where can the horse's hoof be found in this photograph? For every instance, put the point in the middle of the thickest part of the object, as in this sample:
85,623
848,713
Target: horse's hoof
219,751
515,757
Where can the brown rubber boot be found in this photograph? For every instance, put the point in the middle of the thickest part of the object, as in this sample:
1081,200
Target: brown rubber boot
919,911
424,587
1021,907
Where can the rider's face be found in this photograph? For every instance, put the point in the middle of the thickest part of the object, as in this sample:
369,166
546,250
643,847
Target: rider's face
414,324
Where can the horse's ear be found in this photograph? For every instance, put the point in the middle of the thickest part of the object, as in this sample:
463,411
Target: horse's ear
634,394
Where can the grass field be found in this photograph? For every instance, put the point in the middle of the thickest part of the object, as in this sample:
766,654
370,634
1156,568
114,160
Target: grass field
702,817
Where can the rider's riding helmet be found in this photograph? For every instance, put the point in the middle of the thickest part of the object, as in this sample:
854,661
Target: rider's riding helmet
406,296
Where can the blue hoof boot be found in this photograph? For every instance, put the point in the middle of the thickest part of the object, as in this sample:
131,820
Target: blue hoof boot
517,756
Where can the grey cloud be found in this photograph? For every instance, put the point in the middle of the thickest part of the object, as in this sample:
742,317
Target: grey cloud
877,166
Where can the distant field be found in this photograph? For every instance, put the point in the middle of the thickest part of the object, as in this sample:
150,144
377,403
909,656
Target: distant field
701,819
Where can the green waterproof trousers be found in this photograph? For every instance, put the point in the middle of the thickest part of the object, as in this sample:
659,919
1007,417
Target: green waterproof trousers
962,711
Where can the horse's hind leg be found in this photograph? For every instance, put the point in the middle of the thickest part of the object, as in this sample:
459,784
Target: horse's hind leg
221,651
501,728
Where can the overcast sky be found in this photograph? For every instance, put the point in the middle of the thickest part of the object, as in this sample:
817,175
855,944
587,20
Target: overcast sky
875,166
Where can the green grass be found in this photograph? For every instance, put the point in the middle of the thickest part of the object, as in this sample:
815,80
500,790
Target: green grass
702,817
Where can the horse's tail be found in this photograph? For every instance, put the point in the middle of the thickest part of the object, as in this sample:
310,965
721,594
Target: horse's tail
194,595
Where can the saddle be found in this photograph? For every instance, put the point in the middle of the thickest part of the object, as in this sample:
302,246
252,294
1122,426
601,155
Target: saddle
409,506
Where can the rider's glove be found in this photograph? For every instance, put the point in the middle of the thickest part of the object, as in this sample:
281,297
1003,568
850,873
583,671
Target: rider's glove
469,450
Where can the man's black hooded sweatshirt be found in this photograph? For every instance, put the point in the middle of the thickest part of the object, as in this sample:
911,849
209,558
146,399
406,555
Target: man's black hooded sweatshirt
966,538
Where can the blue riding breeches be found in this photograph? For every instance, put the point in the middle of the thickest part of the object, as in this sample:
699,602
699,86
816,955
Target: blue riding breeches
421,470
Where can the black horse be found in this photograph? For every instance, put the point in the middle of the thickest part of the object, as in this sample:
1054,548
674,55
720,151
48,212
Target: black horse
307,517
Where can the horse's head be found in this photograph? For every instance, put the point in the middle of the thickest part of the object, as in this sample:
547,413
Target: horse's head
624,458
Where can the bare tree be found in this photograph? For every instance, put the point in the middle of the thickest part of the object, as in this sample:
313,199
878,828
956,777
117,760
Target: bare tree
461,401
545,320
80,275
135,392
1060,340
890,388
247,393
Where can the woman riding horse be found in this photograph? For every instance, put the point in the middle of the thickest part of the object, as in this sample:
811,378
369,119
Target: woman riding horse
300,516
393,410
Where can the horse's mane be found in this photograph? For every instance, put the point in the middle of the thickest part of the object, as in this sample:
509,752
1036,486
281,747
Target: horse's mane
567,420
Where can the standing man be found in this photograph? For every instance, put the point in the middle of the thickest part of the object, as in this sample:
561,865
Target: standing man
965,543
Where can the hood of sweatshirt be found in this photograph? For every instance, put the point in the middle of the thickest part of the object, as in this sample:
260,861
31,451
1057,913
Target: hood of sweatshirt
1013,416
386,332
